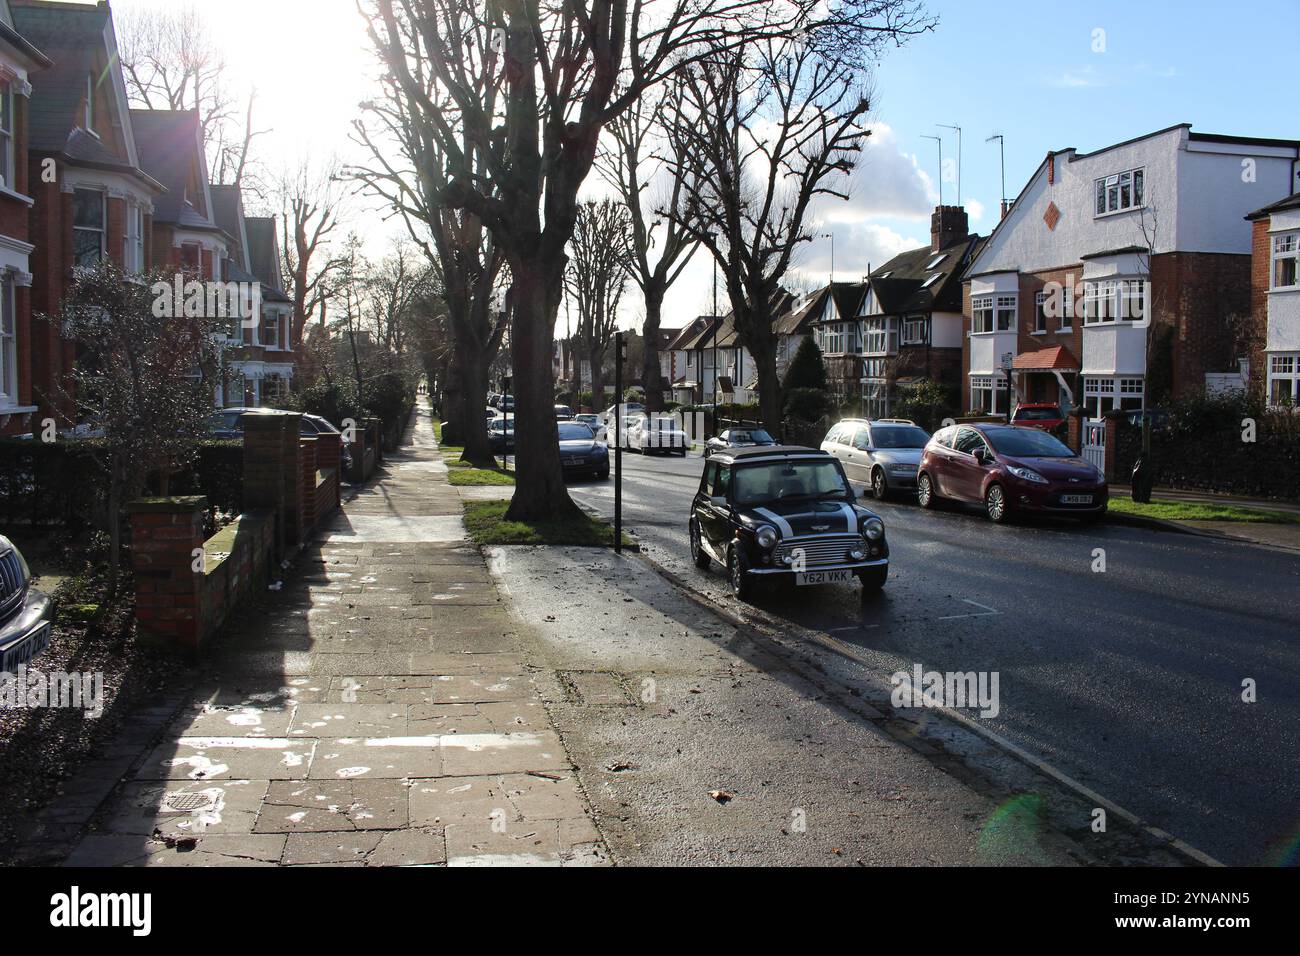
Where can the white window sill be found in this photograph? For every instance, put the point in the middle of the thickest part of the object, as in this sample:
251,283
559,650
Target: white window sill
14,194
1039,332
1285,288
1118,212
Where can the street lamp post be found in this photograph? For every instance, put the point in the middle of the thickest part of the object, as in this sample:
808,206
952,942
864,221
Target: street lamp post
618,442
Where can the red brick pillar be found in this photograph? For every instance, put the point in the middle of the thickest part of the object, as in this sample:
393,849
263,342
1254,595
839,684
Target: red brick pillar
166,547
328,454
1075,437
291,473
1112,441
376,429
360,442
273,473
307,496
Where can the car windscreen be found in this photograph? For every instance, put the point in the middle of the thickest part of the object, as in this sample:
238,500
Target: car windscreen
1038,414
898,436
755,435
1026,443
575,431
774,481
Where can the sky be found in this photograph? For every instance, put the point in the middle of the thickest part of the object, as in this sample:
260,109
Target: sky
1046,75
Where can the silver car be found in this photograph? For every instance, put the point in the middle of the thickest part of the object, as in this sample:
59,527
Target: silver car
883,453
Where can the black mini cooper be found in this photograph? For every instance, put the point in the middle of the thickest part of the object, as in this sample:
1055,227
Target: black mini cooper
781,512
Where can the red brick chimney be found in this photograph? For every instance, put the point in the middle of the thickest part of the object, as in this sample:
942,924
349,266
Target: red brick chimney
948,224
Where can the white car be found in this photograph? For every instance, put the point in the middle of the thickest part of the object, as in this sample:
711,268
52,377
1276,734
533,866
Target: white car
662,435
592,421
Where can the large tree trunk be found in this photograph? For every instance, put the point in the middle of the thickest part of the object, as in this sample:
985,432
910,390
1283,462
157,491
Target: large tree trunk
763,348
651,377
473,368
539,481
597,360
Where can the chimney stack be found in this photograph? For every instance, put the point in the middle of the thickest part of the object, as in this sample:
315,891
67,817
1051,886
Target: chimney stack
948,224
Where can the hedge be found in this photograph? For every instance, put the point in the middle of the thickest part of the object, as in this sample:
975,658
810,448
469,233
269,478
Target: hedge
1203,450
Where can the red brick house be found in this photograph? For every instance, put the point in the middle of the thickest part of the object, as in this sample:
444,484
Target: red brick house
1118,275
91,200
19,59
1275,301
261,363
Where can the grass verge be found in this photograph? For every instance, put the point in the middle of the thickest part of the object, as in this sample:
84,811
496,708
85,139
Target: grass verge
1196,511
486,523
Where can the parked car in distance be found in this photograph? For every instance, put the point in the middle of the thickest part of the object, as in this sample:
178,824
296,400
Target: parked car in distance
492,413
1045,415
501,436
25,611
657,434
777,512
592,421
629,408
563,413
580,452
732,438
228,423
884,452
505,403
1010,469
1160,418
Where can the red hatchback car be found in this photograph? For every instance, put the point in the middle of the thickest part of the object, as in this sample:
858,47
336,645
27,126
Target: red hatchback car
1009,469
1045,415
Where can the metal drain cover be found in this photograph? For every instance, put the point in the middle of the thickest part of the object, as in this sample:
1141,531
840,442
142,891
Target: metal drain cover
184,802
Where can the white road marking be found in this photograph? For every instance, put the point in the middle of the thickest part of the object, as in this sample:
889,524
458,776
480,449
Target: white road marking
985,611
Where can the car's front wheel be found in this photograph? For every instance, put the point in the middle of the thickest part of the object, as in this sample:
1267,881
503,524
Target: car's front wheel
879,486
995,503
698,554
873,579
742,585
926,496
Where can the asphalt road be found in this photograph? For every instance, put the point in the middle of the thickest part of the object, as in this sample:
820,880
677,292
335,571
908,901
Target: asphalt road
1130,680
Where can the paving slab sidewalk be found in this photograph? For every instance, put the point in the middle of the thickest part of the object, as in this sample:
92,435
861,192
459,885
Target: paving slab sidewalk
377,711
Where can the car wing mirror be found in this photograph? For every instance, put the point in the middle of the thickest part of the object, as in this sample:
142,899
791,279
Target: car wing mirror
718,501
981,456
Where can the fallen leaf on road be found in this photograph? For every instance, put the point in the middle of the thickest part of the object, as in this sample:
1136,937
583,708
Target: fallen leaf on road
722,796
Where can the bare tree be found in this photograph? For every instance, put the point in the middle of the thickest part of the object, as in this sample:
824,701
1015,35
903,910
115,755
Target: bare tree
169,63
763,133
596,278
312,209
561,73
628,162
408,172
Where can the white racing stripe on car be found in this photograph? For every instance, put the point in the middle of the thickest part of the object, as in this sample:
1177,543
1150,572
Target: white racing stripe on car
781,524
850,518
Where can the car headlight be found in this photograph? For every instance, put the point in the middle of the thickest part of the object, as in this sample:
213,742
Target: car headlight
766,537
873,528
1027,474
902,466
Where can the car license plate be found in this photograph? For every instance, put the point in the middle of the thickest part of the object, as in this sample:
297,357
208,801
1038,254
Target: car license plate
1076,499
823,577
30,646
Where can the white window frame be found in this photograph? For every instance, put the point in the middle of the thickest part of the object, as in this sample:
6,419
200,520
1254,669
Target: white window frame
8,341
133,238
1284,367
103,222
880,335
981,314
915,330
7,160
1119,192
1286,248
90,104
995,385
1040,313
1132,300
1123,392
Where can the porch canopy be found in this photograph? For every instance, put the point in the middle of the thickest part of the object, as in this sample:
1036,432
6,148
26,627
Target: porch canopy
1055,359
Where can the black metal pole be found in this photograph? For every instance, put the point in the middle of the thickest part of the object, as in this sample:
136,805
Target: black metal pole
618,442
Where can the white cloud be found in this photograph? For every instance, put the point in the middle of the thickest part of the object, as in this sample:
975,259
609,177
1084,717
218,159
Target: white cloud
887,183
974,210
858,247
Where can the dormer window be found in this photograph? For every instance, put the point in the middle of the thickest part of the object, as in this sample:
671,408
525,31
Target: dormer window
1120,192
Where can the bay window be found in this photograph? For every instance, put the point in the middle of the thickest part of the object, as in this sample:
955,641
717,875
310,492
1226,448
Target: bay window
7,161
1101,395
87,227
993,313
8,343
1286,261
880,336
1284,380
915,330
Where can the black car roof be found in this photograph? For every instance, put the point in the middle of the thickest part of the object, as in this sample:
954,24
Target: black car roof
772,451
